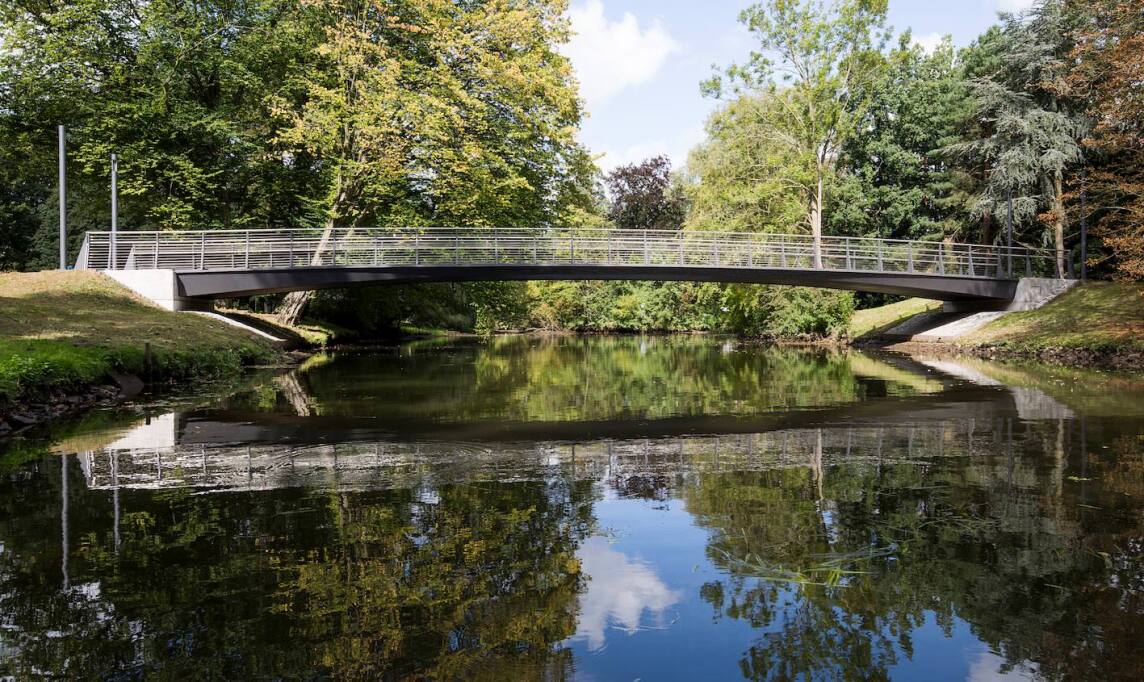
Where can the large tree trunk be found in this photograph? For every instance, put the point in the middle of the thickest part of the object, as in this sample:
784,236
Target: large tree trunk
1059,224
816,223
290,312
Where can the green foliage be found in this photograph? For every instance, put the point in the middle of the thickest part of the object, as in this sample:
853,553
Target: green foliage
892,182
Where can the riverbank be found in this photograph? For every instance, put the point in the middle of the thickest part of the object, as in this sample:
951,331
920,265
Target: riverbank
73,340
1095,324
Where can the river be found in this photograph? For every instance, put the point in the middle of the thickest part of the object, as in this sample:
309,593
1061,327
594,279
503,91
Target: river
651,508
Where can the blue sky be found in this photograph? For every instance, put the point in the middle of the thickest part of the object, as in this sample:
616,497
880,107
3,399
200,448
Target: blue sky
640,63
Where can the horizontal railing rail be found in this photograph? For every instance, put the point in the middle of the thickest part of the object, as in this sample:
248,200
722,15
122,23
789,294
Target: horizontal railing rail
379,247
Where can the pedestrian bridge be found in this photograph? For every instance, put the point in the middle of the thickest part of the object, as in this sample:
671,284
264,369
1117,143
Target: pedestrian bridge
214,264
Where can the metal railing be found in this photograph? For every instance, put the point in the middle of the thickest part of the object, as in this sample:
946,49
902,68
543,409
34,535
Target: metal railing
378,247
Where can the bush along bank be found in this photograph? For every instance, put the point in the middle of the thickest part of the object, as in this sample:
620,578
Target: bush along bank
71,340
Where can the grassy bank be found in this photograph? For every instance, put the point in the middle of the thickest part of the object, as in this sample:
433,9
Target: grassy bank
63,331
1095,317
873,321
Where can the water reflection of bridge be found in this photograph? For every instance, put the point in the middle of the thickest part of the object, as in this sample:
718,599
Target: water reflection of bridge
962,413
382,464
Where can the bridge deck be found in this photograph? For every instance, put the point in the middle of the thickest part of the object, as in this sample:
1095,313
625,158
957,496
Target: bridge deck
215,264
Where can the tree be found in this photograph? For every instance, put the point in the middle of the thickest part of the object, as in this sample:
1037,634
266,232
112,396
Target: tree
179,90
441,113
827,55
1030,136
642,196
1108,59
741,178
892,183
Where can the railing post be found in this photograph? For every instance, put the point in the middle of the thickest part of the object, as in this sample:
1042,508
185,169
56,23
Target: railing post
646,256
417,249
156,263
203,251
681,261
782,252
572,247
534,240
716,253
457,250
334,255
881,266
849,262
971,273
291,263
609,249
246,253
375,251
1028,265
751,253
910,256
496,247
941,258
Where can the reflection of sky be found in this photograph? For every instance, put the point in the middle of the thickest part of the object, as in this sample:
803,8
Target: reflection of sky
619,592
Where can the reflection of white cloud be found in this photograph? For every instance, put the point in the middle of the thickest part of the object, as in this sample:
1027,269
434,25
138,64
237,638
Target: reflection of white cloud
988,668
611,55
619,592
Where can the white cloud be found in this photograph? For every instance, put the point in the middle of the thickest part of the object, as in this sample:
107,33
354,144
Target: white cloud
610,56
619,591
929,42
675,149
1014,6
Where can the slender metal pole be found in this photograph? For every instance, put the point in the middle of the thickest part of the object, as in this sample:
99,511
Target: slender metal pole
114,208
1009,230
63,200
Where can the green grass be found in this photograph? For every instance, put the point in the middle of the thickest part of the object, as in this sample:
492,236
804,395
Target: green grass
872,321
64,330
1096,316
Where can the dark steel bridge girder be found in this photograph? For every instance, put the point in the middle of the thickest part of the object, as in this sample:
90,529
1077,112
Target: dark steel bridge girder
212,284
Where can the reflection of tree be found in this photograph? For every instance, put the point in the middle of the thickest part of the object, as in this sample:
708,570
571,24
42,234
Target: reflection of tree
562,378
840,581
477,581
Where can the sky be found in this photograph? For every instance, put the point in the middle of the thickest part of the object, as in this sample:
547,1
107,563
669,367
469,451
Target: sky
640,63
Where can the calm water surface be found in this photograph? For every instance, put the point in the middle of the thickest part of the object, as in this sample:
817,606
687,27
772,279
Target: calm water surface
597,509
